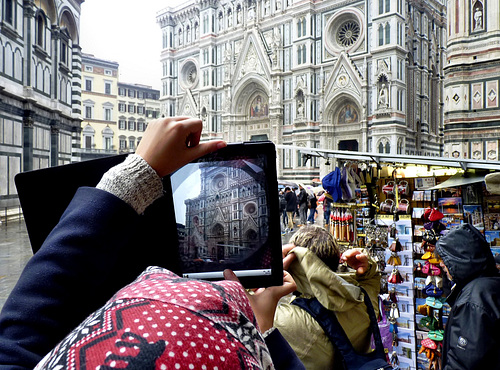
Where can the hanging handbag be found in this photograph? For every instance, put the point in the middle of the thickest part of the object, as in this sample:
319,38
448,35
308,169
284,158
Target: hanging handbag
430,269
383,326
433,291
396,246
428,322
395,277
394,260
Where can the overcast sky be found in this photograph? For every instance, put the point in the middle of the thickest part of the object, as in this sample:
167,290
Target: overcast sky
126,32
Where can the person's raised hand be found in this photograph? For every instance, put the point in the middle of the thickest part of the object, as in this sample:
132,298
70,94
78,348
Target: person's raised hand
265,300
170,143
356,259
288,257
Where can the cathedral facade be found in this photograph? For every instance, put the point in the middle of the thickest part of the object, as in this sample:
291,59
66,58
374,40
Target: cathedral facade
472,113
229,219
341,75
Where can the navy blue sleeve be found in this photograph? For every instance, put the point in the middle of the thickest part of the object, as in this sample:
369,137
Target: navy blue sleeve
284,357
74,273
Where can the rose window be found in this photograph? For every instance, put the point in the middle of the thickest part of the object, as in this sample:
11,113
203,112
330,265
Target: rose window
348,33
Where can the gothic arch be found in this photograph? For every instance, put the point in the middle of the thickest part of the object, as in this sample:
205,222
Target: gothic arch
246,90
67,22
341,104
49,8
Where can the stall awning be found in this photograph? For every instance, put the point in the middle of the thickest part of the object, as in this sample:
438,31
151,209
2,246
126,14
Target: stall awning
460,179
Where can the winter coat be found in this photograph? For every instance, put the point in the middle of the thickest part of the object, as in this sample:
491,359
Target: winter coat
472,333
291,201
335,291
302,197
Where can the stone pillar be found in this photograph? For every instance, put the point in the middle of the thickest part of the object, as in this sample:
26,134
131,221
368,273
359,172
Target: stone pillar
54,145
28,137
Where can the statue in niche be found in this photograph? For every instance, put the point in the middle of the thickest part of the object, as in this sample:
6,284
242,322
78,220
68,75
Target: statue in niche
238,15
196,30
229,18
221,22
383,97
300,109
251,13
180,36
267,7
478,19
188,35
278,5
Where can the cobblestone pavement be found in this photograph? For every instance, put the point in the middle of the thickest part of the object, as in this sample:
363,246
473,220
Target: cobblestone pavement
15,251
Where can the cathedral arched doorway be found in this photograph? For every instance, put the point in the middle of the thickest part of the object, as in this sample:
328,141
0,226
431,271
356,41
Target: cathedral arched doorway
252,112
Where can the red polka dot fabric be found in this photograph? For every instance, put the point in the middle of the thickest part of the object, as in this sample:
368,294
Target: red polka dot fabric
162,321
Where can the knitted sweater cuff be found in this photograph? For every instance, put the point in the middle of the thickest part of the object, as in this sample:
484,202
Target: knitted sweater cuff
134,182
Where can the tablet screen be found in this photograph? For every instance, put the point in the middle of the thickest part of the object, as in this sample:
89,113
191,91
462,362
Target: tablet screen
224,204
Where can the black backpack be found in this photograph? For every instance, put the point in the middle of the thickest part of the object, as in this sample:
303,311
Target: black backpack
375,360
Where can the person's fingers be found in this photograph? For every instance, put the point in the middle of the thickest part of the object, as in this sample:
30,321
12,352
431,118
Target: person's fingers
286,249
230,275
287,261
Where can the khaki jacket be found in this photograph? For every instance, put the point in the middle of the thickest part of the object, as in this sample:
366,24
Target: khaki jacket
335,291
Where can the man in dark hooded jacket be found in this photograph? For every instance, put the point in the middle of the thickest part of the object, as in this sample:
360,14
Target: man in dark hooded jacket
472,334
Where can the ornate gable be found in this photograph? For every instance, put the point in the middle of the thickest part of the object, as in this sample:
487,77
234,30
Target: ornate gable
253,59
343,79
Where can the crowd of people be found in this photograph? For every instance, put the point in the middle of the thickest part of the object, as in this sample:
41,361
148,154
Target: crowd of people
296,202
74,308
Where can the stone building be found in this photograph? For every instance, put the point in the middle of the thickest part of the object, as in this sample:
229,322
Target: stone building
40,87
99,107
472,70
137,105
342,75
115,113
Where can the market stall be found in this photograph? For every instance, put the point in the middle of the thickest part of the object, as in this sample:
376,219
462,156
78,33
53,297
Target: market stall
397,207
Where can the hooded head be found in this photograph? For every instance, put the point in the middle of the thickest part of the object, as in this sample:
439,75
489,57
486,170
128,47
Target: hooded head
466,254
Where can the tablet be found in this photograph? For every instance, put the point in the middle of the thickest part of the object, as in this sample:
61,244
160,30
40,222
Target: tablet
227,216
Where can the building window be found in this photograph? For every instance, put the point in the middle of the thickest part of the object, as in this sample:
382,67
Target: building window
348,33
107,114
9,12
131,143
131,125
89,69
88,112
122,124
107,88
108,143
122,91
123,144
64,52
131,93
88,84
40,30
122,107
131,108
140,126
387,34
108,72
301,27
380,35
